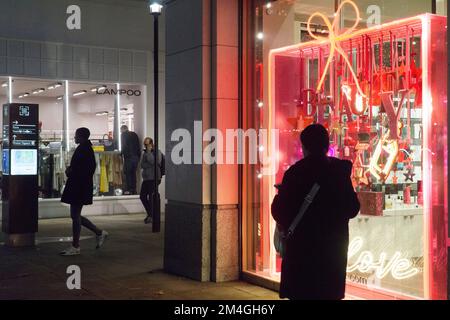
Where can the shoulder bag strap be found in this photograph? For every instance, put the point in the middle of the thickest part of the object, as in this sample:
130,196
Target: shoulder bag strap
308,200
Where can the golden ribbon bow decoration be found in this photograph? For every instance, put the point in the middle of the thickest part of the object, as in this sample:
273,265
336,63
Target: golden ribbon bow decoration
334,40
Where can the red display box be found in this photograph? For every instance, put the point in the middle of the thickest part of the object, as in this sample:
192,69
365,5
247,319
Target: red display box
371,203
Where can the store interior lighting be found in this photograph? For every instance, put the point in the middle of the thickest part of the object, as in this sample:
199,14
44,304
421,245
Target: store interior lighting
37,91
79,93
54,86
23,95
98,89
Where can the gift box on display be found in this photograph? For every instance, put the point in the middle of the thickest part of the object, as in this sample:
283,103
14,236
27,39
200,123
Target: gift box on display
371,203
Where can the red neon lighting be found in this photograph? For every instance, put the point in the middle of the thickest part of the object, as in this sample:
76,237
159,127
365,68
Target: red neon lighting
287,79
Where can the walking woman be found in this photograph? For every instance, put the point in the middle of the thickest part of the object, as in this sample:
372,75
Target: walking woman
148,176
79,189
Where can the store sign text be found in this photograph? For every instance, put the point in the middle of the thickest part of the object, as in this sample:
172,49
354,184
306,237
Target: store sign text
120,92
399,268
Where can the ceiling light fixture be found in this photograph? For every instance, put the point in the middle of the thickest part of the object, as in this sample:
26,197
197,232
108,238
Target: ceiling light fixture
37,91
24,95
79,93
54,86
97,89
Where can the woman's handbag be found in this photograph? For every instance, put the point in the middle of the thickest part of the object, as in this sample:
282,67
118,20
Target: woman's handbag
280,237
279,241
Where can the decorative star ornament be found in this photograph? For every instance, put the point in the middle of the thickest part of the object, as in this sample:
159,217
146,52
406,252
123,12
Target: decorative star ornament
409,175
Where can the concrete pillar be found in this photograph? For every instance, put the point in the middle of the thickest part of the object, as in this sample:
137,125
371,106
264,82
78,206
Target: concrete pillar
201,227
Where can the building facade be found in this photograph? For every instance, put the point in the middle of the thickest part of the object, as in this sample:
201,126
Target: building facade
255,65
86,63
250,65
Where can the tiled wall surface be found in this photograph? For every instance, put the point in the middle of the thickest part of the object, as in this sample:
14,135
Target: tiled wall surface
70,62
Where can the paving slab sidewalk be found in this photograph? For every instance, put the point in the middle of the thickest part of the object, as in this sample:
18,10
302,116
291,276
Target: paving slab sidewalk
129,266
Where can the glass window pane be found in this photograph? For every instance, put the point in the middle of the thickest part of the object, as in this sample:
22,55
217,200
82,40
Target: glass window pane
375,100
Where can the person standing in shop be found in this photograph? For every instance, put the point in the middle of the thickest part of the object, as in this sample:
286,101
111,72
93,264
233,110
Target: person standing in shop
131,152
78,191
148,175
315,260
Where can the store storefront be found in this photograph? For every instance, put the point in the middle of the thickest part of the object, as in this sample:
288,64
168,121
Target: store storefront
375,74
82,71
65,106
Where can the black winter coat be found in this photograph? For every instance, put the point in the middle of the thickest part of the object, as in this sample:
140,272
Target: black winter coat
79,186
131,148
314,267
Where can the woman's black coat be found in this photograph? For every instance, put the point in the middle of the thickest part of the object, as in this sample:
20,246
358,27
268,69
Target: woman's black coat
314,266
79,186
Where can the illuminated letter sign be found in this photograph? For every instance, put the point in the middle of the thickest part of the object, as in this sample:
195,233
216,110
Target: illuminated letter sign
385,148
353,100
393,115
399,268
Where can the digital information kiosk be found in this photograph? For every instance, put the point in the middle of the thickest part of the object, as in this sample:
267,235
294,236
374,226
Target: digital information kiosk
20,173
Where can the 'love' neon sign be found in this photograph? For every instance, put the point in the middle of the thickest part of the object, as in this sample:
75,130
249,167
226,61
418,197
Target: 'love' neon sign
399,268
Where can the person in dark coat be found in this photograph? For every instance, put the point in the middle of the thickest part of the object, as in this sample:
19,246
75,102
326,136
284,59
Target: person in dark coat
148,176
79,190
315,262
131,151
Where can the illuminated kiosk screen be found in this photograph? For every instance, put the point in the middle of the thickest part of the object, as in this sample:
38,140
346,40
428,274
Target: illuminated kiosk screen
23,162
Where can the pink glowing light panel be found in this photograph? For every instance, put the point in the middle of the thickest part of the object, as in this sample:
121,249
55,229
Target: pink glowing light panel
388,115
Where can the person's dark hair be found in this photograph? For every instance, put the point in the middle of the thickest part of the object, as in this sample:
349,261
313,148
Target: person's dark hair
315,139
124,128
83,133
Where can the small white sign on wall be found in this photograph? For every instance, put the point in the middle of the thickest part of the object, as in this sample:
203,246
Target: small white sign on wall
73,21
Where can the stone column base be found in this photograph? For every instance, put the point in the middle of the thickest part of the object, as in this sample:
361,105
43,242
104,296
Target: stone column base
187,240
225,243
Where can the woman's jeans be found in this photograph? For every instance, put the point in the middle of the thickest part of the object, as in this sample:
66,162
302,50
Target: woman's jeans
147,189
78,221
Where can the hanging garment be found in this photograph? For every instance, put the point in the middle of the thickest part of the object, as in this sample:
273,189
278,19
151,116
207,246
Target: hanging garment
117,168
104,184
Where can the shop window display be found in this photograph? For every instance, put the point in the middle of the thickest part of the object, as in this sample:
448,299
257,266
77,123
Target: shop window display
383,100
104,109
89,105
